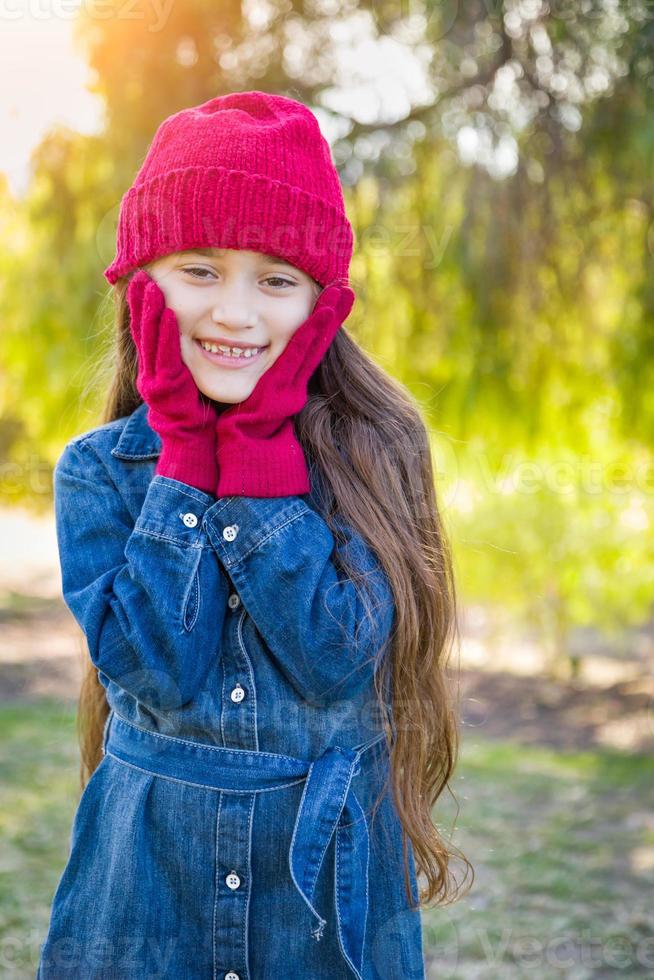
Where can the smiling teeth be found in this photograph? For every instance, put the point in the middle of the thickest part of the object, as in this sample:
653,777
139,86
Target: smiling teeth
230,351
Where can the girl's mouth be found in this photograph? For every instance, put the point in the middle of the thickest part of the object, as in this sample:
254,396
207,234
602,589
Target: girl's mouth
230,361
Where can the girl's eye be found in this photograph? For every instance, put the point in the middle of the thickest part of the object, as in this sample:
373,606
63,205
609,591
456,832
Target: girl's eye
284,282
196,268
192,270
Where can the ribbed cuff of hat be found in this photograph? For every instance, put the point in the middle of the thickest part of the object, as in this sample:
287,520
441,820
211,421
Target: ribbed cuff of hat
262,469
188,462
212,206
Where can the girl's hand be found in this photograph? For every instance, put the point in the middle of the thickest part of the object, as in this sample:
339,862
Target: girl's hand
258,452
185,423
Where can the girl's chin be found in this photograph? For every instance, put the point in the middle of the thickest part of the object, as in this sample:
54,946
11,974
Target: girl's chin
226,387
223,397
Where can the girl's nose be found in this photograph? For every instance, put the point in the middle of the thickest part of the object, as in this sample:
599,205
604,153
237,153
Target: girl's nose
234,311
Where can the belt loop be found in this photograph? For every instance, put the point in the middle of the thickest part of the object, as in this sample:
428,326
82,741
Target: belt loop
105,732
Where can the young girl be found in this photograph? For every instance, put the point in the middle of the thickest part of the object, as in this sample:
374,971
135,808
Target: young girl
252,547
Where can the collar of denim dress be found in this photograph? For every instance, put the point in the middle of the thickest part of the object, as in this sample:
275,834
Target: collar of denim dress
138,440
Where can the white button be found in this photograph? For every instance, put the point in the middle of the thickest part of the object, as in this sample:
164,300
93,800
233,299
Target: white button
233,601
230,532
237,694
232,976
232,880
189,519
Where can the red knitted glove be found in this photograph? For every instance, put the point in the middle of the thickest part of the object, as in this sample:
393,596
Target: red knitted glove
258,452
186,424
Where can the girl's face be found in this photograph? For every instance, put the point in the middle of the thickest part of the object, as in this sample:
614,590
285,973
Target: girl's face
232,298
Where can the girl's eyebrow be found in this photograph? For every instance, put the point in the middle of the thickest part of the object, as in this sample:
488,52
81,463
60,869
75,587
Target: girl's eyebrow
216,253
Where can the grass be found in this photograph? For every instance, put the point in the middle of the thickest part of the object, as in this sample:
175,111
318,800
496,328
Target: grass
563,850
562,846
39,779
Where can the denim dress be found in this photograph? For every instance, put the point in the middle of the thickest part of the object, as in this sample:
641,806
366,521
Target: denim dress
228,830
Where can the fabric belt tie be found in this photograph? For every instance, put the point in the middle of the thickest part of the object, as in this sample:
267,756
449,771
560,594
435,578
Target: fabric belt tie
328,805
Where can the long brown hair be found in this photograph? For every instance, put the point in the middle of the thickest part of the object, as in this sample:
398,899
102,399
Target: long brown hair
364,431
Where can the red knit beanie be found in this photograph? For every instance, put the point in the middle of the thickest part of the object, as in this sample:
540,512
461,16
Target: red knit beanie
248,170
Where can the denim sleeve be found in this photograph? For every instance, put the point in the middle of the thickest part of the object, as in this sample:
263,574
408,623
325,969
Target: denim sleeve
281,556
150,596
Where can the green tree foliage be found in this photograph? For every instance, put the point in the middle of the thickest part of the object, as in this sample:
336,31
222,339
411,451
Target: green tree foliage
504,243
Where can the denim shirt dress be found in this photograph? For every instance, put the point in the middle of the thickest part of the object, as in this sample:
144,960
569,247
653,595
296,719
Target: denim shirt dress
227,831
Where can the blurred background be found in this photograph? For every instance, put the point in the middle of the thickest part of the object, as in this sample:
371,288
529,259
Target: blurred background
497,160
